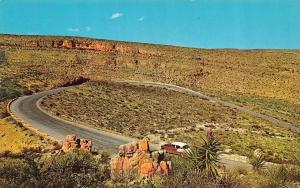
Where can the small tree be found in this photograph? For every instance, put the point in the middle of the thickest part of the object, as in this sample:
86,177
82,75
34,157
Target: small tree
205,158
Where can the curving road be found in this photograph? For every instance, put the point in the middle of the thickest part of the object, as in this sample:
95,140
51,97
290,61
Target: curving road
28,109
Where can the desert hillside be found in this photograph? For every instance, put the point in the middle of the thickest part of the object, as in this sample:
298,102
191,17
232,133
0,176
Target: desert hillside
264,80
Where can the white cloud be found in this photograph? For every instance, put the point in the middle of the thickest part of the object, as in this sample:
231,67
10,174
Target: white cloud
141,19
88,28
75,30
116,15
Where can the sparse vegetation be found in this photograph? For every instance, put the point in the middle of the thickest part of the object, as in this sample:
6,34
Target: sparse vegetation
262,79
139,111
76,169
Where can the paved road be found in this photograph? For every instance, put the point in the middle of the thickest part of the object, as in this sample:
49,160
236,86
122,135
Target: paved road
28,109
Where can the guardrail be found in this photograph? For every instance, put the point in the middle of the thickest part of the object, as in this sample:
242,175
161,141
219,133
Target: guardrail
27,125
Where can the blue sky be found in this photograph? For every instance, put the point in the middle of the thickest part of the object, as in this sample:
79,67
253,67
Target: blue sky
194,23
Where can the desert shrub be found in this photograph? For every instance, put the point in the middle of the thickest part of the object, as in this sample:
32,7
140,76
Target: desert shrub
205,159
189,179
258,162
9,88
184,175
229,179
24,174
74,169
283,176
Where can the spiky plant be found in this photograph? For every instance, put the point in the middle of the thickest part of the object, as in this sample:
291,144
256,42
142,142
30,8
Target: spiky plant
205,158
258,162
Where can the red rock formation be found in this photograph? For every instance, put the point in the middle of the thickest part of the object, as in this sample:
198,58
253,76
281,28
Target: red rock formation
71,143
136,159
82,44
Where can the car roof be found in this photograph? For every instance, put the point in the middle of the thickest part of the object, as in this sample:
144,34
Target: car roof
181,144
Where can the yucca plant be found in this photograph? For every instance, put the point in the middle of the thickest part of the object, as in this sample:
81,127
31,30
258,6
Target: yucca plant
205,158
258,162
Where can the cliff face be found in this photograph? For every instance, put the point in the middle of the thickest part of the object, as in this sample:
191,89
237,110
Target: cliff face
81,45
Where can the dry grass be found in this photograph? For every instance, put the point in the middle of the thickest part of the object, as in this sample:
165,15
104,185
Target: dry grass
14,138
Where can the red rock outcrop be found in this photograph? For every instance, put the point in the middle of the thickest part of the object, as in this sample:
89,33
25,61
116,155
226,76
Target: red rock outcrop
81,44
137,160
71,143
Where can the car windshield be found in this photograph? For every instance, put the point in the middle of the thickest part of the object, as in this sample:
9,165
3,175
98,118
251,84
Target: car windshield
185,147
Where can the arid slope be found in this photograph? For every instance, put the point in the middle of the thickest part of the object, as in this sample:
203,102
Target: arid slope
164,114
265,80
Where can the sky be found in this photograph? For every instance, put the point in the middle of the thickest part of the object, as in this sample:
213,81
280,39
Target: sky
244,24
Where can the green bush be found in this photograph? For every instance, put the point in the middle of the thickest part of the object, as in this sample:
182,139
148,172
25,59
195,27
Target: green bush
21,174
74,169
9,88
184,175
284,176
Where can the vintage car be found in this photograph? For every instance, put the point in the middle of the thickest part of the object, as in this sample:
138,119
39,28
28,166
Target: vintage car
176,147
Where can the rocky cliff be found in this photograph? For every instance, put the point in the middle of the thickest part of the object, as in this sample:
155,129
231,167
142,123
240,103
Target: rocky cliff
80,44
